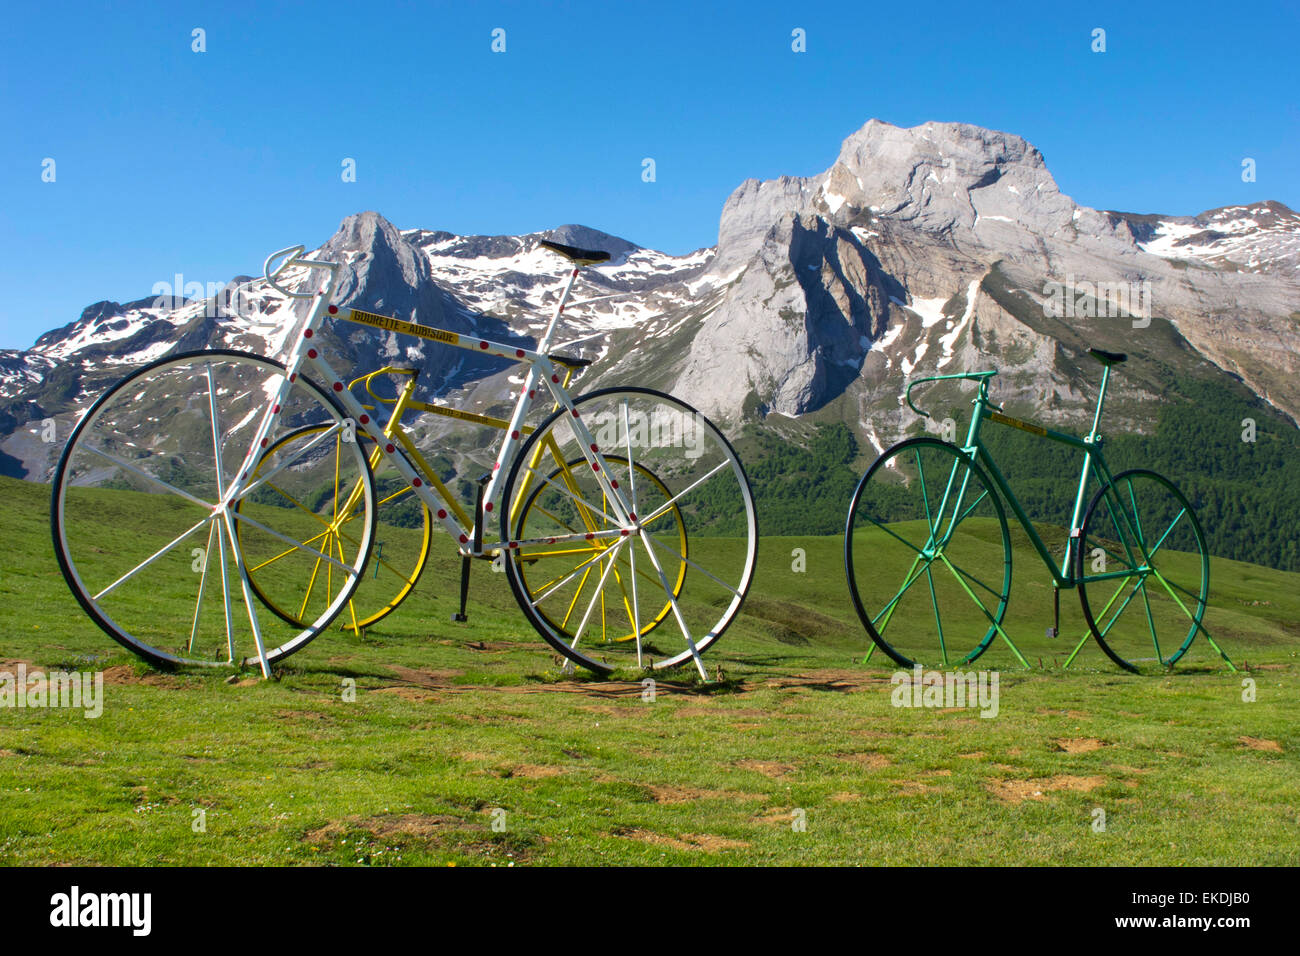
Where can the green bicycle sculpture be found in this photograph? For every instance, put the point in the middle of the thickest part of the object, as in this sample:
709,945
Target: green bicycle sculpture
927,548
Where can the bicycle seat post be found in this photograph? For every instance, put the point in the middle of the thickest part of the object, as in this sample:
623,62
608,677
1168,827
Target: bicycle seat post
544,344
1101,397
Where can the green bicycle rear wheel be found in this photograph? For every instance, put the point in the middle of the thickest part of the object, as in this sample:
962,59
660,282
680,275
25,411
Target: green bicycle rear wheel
1143,571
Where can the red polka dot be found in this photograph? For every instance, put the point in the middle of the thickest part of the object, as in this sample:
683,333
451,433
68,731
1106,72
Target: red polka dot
338,386
488,506
575,413
624,532
496,465
514,544
595,466
590,536
442,512
482,345
365,419
532,394
614,484
555,378
264,441
519,353
550,541
515,435
464,539
275,409
334,309
311,353
417,482
593,447
307,334
293,377
633,517
389,448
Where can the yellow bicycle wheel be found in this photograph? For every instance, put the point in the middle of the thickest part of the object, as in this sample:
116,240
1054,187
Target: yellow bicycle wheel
576,568
403,536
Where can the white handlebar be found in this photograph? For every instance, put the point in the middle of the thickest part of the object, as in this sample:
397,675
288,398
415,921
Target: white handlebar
290,257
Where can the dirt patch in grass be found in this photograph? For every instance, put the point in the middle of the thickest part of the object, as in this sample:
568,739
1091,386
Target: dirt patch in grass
828,679
532,771
1037,788
407,693
1079,745
446,679
301,716
779,815
126,674
708,842
431,677
768,768
670,793
869,759
390,826
916,788
973,755
1072,714
438,833
1260,743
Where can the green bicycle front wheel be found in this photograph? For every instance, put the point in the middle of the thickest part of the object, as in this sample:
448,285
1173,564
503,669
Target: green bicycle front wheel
927,553
1143,571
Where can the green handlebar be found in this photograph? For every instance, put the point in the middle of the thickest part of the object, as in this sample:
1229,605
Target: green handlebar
973,376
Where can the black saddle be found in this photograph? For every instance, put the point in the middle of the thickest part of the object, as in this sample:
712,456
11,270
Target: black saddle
582,257
1107,358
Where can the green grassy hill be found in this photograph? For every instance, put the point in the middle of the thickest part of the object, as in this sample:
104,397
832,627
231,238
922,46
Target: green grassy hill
453,722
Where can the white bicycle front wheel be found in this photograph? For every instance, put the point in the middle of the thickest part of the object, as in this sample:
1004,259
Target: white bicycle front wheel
157,548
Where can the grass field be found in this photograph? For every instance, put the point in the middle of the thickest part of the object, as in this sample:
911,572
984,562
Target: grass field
466,744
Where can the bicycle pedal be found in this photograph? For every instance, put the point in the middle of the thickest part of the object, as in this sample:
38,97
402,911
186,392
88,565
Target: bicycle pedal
1053,632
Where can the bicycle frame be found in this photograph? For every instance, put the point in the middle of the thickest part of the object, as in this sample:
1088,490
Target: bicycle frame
543,370
1094,464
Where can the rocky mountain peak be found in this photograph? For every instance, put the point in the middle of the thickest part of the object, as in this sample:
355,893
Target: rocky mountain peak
942,175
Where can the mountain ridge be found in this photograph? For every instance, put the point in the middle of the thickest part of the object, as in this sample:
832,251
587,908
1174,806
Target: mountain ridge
917,251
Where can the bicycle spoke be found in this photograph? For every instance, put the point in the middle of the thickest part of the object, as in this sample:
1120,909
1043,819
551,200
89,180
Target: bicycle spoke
678,497
997,594
677,611
301,546
600,592
1155,640
153,557
943,650
681,557
206,506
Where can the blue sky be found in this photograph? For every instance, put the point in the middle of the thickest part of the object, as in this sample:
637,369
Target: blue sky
169,161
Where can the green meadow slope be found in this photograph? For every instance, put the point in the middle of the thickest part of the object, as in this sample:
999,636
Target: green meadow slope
467,744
